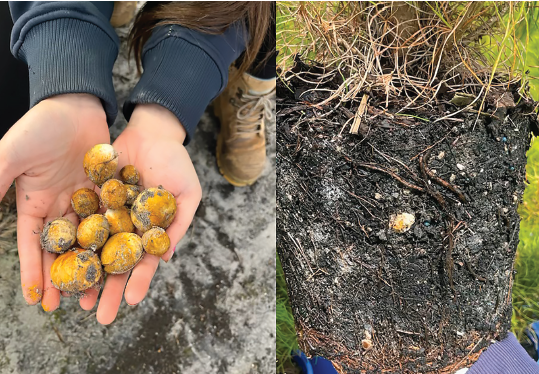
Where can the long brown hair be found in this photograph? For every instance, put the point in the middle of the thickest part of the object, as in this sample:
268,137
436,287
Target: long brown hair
211,17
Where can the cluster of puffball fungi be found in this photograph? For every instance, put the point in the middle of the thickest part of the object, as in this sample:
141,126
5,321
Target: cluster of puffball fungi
107,243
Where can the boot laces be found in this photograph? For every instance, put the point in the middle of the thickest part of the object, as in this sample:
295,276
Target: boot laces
255,109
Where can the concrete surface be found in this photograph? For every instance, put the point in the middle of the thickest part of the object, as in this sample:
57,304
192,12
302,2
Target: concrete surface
210,310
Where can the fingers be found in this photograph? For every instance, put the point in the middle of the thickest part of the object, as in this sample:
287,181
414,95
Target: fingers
30,257
111,298
88,300
51,296
140,280
187,207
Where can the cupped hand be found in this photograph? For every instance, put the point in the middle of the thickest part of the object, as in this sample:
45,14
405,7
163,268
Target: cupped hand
43,152
153,143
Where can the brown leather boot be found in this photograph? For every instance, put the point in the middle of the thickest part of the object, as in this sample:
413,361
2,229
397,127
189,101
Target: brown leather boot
124,12
242,109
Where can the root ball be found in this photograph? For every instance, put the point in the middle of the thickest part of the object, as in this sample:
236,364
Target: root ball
85,202
153,207
129,174
58,235
156,241
100,163
113,194
121,253
76,271
119,220
93,232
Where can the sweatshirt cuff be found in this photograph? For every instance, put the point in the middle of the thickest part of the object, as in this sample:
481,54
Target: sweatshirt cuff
180,77
69,55
505,357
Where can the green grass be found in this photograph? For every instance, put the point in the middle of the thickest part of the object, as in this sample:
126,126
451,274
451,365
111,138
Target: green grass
526,285
286,333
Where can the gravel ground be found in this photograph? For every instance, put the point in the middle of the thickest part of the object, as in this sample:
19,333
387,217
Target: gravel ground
211,309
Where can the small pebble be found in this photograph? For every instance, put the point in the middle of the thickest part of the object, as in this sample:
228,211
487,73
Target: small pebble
452,178
377,196
441,155
461,167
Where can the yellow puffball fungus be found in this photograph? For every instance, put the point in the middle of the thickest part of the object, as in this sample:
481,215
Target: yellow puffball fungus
153,207
132,193
156,241
121,253
93,232
119,220
58,235
76,271
100,163
85,202
129,174
113,194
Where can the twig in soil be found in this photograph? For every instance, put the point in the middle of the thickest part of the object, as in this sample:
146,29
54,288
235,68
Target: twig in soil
439,180
435,194
359,114
301,251
449,258
412,174
471,270
58,334
393,175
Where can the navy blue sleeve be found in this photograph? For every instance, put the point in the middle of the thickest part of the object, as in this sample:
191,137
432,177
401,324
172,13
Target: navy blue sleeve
505,357
184,70
69,47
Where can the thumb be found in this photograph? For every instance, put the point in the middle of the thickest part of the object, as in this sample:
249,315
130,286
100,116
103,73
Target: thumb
8,169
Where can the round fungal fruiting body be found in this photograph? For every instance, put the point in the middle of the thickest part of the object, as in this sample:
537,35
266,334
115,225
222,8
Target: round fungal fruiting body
155,241
58,235
76,271
93,232
132,193
85,202
121,253
100,163
113,194
153,207
129,174
119,220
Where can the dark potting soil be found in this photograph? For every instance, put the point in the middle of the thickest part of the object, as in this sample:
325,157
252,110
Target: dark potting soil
371,299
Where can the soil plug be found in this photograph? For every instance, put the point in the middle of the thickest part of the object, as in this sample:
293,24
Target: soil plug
76,271
129,175
100,163
93,232
121,253
113,194
85,202
119,220
153,207
156,241
58,235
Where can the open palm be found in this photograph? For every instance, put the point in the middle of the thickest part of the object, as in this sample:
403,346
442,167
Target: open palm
152,143
43,153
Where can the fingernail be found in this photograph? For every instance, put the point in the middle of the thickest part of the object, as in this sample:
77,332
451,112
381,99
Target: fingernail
33,295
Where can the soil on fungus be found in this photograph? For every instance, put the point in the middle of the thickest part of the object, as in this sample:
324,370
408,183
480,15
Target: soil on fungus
371,299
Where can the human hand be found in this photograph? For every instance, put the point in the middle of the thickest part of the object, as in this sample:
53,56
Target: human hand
43,153
153,143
